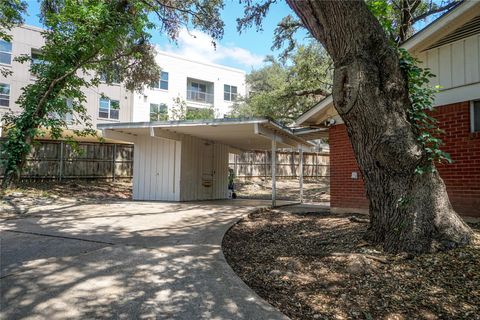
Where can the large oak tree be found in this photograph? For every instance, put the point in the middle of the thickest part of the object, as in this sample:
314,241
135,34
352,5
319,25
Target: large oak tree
409,211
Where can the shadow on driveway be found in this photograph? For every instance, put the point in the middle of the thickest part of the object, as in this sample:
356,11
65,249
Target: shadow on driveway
125,260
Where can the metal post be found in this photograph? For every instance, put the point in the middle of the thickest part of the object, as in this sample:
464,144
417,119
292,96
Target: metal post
274,170
265,165
235,169
300,152
60,166
114,161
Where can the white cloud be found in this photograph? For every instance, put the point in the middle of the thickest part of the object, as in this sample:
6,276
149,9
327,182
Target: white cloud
197,45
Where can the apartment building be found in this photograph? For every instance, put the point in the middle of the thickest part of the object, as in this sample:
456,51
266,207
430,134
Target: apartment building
27,40
197,85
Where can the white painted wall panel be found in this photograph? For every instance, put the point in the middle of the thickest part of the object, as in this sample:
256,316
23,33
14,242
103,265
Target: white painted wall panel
458,63
194,159
445,67
221,171
432,63
156,168
472,59
457,66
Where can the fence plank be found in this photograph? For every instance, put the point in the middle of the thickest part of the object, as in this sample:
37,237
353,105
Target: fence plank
57,160
257,164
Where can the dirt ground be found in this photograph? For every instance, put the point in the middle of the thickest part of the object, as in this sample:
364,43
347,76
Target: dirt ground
287,189
315,265
30,193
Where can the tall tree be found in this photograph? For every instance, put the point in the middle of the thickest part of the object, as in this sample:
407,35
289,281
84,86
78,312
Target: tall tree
86,38
409,211
285,89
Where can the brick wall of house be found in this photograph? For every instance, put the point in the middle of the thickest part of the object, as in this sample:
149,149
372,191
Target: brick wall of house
345,192
462,177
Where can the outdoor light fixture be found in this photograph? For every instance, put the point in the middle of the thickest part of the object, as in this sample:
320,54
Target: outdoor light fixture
329,122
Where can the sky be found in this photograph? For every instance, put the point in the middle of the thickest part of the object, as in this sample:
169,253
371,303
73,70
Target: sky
245,51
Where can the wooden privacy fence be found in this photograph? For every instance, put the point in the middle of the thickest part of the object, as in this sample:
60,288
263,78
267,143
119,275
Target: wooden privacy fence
258,164
57,160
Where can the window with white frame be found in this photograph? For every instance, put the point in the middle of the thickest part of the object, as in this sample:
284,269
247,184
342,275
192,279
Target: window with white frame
162,83
229,92
5,52
4,95
475,116
158,112
108,109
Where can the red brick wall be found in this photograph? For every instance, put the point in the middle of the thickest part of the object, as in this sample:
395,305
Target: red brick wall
462,177
344,191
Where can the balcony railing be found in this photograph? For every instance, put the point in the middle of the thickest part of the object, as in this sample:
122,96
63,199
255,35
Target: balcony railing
201,97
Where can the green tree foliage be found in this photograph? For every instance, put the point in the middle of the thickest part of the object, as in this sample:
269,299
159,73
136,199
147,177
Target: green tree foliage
420,112
10,15
83,39
399,16
181,111
284,90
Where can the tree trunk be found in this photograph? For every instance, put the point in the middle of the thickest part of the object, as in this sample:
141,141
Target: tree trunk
408,211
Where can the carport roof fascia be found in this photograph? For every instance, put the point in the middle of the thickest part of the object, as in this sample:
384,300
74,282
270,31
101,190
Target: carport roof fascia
283,130
180,123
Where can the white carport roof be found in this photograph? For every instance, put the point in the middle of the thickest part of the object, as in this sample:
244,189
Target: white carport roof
241,134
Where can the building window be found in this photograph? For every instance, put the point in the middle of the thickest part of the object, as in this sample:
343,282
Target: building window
4,95
67,116
229,93
163,83
110,78
158,112
475,116
108,109
37,57
200,92
5,52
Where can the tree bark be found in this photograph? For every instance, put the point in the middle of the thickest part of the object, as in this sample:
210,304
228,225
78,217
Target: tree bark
408,211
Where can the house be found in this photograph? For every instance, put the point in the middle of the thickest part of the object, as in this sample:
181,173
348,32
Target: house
199,85
450,47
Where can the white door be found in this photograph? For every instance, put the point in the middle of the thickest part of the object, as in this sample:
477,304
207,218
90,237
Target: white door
207,171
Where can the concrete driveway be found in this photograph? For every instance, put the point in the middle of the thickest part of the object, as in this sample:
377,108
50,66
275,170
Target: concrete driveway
125,260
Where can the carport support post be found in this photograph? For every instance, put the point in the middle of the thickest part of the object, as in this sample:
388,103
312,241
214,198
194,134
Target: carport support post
300,153
274,170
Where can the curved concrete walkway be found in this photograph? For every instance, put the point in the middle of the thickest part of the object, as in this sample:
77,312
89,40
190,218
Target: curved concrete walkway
125,260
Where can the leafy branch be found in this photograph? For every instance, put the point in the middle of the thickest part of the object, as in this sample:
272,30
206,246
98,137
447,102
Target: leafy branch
424,125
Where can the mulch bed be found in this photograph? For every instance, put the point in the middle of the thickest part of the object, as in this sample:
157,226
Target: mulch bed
316,266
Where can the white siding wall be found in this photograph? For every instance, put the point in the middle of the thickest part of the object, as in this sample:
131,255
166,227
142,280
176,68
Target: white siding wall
193,164
457,69
179,69
156,169
172,170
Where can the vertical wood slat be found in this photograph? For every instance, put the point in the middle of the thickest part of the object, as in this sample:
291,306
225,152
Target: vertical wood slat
257,164
51,159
